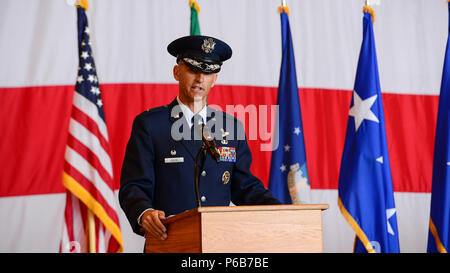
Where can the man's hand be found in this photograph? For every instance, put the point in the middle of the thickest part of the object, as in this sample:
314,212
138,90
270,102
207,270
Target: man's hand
151,222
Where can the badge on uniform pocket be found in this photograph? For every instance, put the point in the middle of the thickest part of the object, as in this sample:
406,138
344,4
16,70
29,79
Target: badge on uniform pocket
226,177
227,154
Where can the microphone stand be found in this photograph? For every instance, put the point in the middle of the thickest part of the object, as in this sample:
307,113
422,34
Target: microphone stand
203,150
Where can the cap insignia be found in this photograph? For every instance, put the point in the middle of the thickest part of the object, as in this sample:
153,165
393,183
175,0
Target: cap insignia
208,45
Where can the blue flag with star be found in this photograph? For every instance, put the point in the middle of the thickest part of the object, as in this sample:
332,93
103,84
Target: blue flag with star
439,227
288,179
366,197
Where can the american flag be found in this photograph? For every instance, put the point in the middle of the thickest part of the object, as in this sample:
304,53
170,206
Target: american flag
91,223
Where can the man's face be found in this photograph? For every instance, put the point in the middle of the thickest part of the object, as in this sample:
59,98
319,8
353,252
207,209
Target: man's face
194,85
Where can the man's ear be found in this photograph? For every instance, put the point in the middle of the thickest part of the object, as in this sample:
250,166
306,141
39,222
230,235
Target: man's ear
176,72
215,79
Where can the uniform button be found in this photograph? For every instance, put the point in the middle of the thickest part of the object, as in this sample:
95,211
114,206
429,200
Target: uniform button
203,198
204,173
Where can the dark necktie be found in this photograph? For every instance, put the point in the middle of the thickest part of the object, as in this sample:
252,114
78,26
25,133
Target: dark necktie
196,129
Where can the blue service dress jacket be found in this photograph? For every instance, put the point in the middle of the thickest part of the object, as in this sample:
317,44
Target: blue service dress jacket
158,167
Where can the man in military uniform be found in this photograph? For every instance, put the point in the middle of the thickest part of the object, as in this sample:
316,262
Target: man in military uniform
157,177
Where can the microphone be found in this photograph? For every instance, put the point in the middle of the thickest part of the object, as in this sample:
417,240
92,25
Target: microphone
210,143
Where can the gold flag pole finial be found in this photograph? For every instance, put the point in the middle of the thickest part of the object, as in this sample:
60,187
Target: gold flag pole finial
284,8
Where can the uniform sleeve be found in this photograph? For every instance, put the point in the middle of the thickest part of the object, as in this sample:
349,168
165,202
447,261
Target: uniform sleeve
246,189
138,176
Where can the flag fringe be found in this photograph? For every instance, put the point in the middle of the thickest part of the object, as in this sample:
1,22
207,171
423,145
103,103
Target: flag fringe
440,247
371,11
92,204
82,4
285,9
359,232
193,4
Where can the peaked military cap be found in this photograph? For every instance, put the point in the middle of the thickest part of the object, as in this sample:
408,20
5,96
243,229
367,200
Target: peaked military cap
202,53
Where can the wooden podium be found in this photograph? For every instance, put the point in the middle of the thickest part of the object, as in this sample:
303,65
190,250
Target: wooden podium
244,229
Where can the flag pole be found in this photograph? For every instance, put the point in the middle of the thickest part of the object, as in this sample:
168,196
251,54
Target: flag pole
372,2
90,216
91,224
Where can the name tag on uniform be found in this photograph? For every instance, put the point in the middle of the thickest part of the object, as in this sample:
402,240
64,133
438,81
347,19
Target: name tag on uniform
174,160
227,154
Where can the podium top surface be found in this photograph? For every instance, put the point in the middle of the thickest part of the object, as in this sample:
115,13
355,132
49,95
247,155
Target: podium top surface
191,212
263,208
